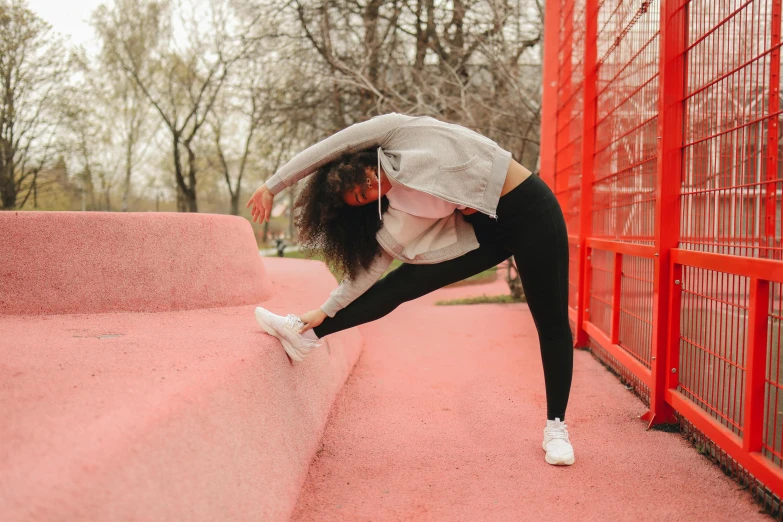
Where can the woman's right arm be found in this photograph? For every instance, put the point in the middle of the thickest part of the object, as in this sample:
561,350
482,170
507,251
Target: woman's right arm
359,136
350,289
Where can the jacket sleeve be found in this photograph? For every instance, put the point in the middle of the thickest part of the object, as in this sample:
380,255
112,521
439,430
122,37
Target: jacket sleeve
359,136
349,289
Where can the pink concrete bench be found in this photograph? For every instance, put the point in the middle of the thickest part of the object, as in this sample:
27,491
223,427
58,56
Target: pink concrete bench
134,381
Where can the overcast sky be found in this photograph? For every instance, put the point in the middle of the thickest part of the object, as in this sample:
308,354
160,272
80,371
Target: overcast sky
68,17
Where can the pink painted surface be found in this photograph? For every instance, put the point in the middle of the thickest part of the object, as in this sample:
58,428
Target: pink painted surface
176,415
443,417
79,262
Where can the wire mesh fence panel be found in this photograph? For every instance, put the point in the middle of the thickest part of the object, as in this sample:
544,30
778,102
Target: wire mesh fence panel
601,290
636,300
568,139
713,340
573,276
773,411
626,120
731,182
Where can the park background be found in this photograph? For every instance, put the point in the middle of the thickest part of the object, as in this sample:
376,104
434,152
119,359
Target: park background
189,105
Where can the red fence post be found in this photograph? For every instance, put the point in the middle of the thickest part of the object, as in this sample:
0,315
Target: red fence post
549,93
755,367
672,318
617,280
588,151
671,93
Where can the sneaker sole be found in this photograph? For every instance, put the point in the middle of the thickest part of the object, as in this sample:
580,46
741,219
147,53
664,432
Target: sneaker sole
289,349
566,462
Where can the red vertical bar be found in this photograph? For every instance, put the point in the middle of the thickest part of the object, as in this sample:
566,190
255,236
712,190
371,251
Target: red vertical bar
671,93
588,282
772,130
588,150
617,276
673,336
755,368
549,95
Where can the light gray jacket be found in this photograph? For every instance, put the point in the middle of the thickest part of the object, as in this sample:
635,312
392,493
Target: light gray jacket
422,153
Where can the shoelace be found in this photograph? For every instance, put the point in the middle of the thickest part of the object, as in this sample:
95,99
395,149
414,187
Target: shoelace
557,432
293,322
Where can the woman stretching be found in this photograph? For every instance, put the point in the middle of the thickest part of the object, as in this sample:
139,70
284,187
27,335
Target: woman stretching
450,204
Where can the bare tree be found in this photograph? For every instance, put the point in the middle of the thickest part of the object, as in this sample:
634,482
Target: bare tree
32,69
473,62
180,76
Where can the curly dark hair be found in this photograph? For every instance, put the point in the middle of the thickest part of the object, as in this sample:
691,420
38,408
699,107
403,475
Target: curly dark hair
343,234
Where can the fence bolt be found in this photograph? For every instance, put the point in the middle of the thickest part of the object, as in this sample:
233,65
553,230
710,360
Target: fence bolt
656,254
676,281
674,370
653,357
587,310
588,257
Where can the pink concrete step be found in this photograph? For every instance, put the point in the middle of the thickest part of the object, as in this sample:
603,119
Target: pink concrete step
175,415
80,262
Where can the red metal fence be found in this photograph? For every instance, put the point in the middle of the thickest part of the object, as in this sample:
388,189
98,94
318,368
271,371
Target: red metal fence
660,137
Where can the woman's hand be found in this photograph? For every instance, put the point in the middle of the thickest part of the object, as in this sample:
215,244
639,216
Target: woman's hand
312,319
261,200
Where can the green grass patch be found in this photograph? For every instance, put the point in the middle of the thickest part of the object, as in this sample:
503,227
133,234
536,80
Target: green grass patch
298,254
487,276
482,299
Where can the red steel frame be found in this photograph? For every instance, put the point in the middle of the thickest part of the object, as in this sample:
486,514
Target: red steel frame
588,149
668,256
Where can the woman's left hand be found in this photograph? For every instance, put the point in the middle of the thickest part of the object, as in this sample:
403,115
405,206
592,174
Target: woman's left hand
312,319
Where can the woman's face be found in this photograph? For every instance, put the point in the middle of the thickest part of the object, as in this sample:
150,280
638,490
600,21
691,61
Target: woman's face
367,192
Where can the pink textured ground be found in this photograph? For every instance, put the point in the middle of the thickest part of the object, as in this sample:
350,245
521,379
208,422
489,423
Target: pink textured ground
443,416
186,415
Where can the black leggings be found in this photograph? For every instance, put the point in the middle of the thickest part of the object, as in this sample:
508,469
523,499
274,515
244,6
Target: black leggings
530,226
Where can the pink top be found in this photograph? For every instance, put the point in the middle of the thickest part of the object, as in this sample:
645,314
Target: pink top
419,203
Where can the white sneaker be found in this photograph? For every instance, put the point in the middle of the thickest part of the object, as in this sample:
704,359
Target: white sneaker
286,329
556,444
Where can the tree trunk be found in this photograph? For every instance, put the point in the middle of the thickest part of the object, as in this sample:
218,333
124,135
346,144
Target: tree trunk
7,189
421,38
191,190
235,203
373,51
181,199
128,167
